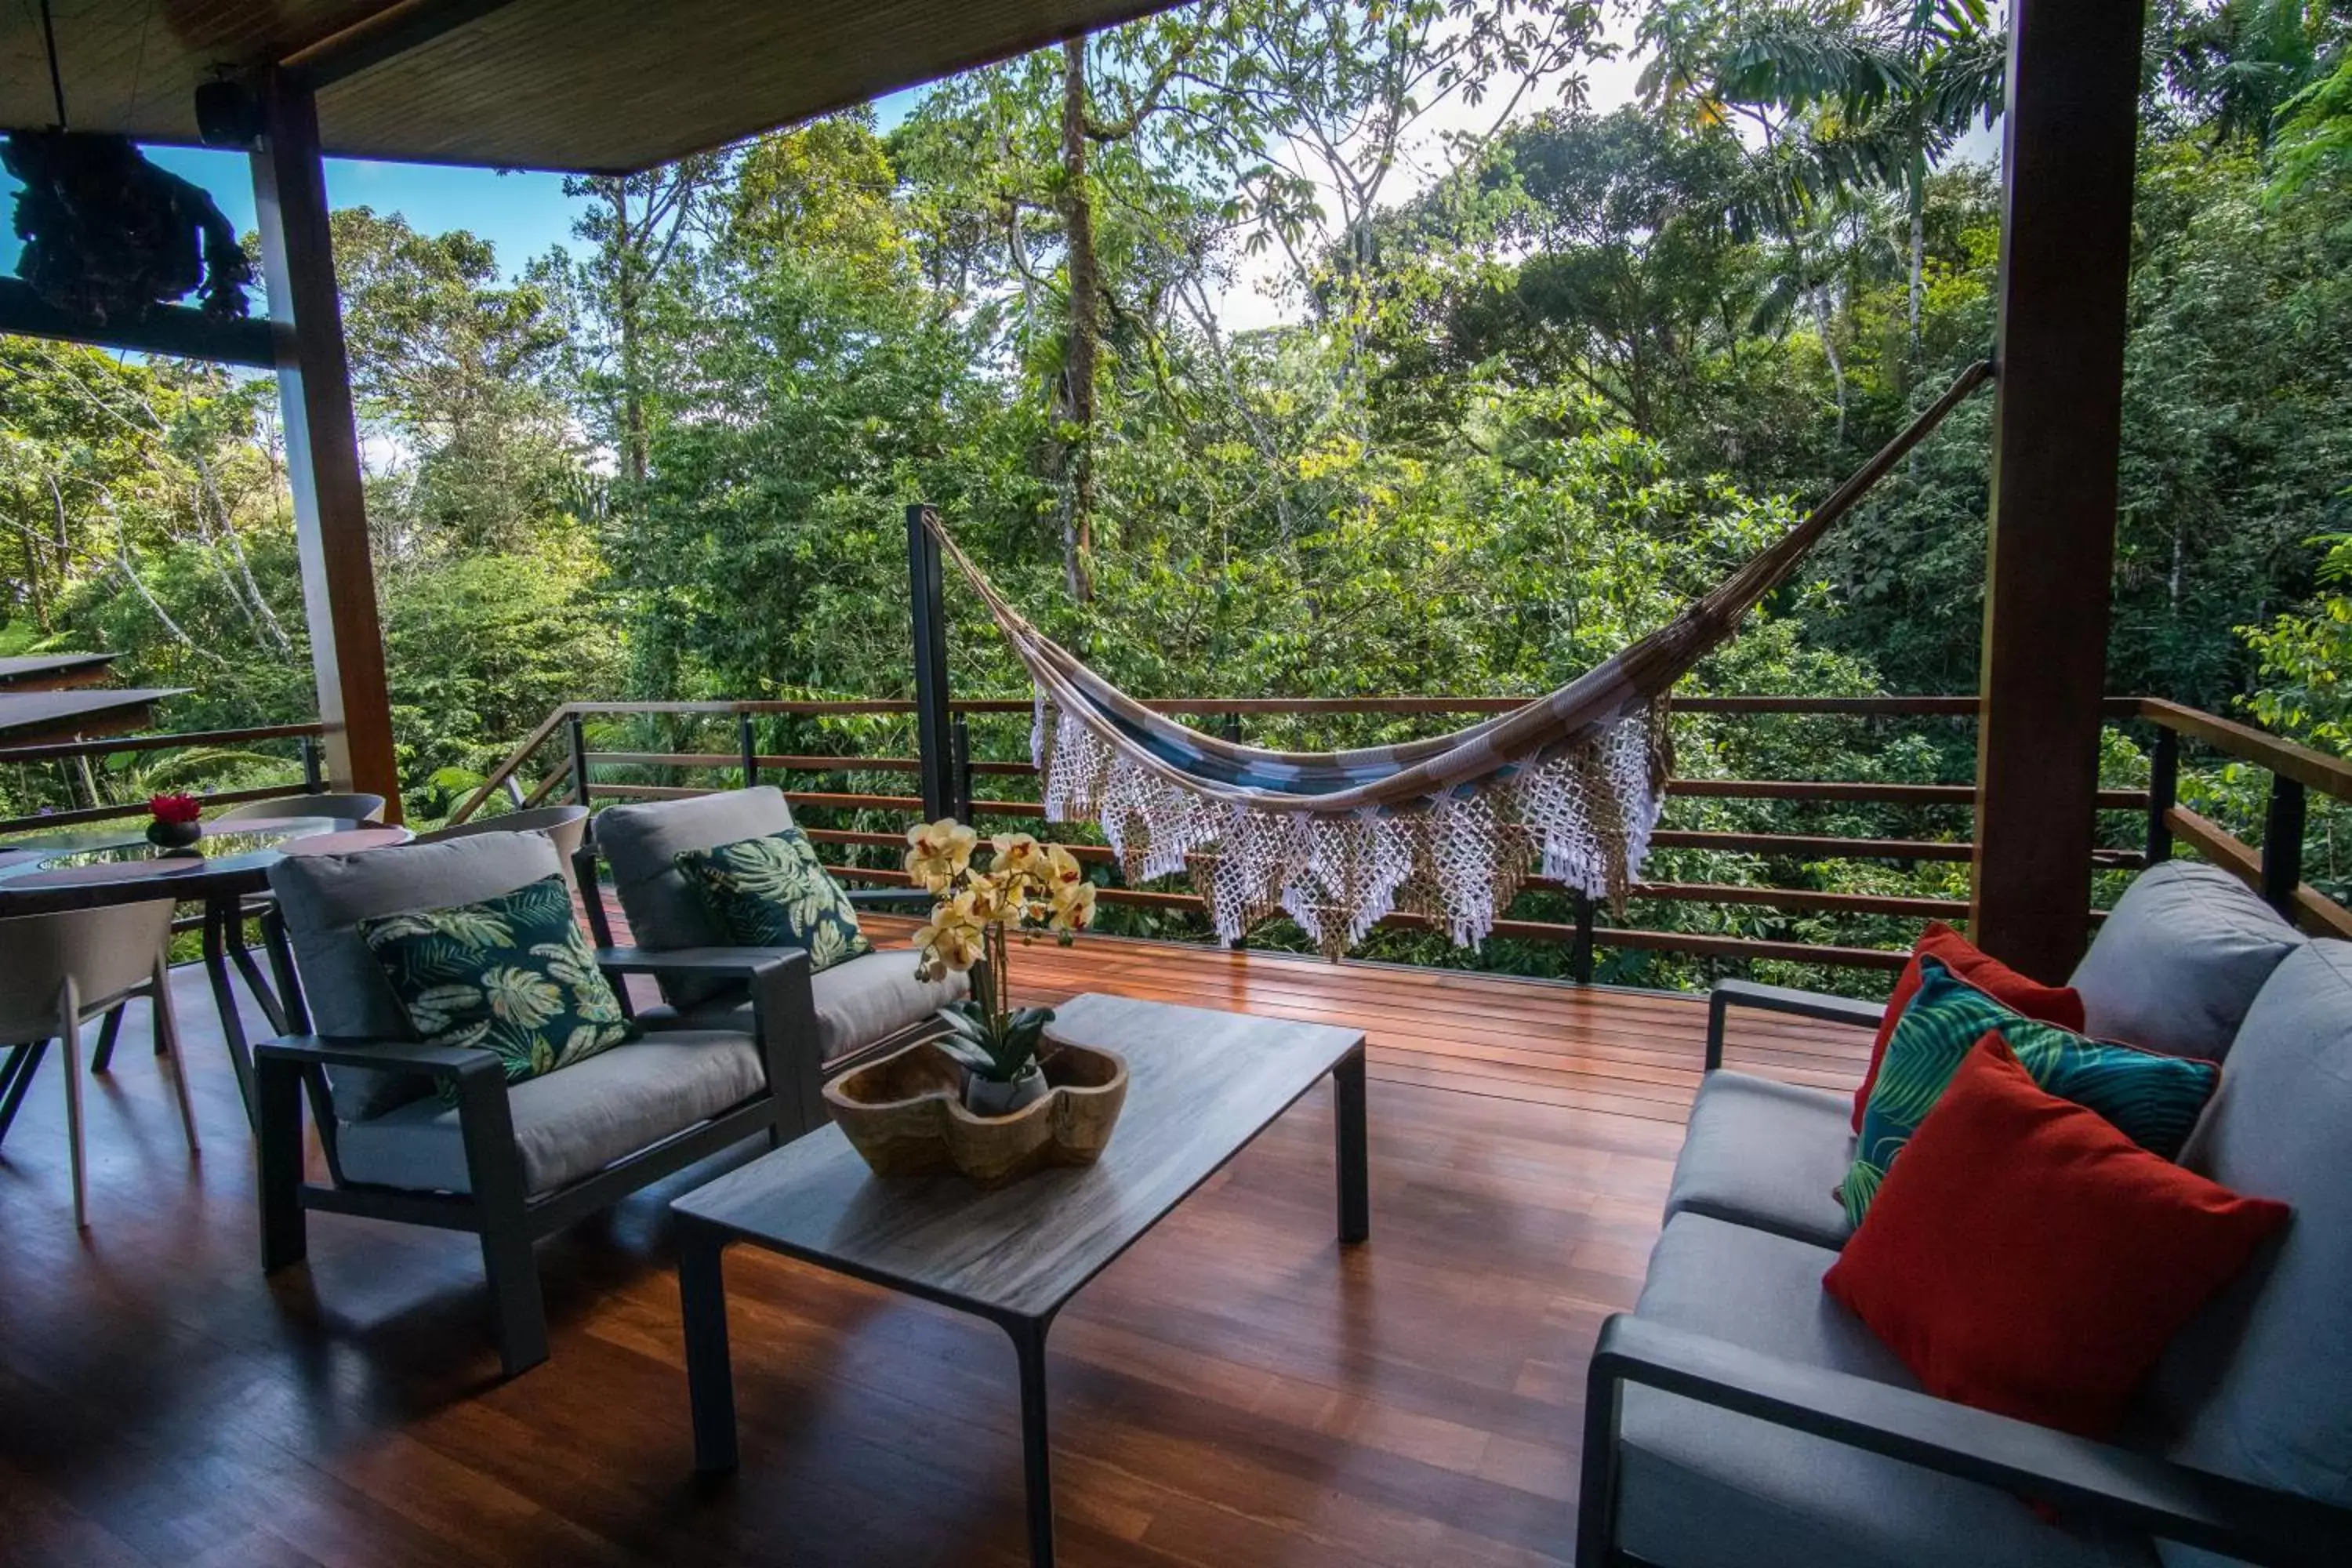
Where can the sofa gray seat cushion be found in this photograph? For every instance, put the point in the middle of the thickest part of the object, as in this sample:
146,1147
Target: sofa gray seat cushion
2179,961
2260,1385
1767,1155
642,843
858,1003
568,1124
1702,1488
323,898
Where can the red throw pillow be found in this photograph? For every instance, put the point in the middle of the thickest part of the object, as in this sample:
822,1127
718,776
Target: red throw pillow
1972,965
2025,1257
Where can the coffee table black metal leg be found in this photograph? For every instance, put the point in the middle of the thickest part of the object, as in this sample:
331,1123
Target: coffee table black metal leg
1355,1156
1036,1452
218,913
709,1370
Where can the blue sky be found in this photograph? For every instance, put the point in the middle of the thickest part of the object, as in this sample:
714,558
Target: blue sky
522,214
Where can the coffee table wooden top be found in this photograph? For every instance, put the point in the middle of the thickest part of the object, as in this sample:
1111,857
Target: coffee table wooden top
1201,1085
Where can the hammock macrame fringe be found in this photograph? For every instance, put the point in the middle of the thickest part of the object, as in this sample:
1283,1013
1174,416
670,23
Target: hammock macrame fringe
1445,829
1582,816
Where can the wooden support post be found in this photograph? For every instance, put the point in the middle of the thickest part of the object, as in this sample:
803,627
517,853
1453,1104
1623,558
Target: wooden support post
926,593
2069,141
322,446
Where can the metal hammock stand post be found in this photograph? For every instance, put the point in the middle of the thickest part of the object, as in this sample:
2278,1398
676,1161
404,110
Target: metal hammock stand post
1447,828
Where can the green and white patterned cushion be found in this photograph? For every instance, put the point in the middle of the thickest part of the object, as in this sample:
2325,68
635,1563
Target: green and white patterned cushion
510,974
2153,1100
773,891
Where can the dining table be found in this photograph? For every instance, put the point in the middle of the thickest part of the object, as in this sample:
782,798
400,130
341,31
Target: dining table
229,866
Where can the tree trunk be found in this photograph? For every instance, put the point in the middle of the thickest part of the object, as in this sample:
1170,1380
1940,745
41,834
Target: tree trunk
1084,335
1918,245
1828,352
626,304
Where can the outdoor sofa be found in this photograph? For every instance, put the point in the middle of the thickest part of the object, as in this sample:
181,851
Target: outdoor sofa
1740,1417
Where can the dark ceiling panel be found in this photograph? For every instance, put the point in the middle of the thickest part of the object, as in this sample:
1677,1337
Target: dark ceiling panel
547,84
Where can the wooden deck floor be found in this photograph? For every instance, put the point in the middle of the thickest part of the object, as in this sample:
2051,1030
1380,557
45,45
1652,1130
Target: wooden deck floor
1236,1390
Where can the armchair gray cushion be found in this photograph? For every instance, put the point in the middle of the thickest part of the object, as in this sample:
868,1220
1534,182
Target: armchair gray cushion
1703,1488
323,898
571,1123
1767,1155
2178,961
858,1003
2259,1386
641,842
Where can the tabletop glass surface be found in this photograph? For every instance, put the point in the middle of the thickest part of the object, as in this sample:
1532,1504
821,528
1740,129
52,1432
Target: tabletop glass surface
223,848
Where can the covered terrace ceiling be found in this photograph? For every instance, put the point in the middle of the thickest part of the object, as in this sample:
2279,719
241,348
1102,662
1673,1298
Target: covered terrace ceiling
603,85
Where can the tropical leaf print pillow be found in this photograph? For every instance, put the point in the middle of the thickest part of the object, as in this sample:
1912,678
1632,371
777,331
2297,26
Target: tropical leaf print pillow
511,974
773,891
2152,1099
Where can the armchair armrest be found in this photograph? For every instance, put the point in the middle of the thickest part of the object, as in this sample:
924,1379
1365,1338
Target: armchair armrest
385,1056
2075,1474
783,1013
1730,993
883,897
713,962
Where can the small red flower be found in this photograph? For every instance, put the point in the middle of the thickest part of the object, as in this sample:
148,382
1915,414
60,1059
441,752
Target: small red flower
175,808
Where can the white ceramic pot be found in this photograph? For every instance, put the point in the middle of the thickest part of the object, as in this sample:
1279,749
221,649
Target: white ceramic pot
984,1096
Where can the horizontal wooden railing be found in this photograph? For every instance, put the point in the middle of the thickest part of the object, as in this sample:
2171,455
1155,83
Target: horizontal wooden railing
81,751
813,782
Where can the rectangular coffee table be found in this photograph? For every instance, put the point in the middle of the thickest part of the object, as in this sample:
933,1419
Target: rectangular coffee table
1201,1085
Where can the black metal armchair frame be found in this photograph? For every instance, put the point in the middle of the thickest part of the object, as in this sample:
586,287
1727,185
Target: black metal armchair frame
1730,993
498,1209
2083,1477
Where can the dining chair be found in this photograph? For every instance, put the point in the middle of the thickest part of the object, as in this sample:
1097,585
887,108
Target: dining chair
343,807
57,970
565,827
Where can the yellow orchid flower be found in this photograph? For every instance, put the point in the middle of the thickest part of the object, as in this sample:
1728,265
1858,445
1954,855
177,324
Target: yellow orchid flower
1017,854
1073,907
953,940
1061,867
939,852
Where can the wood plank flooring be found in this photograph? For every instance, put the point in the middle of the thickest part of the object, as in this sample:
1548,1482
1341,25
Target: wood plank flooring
1235,1390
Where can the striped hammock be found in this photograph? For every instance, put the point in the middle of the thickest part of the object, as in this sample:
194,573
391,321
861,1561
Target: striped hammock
1447,828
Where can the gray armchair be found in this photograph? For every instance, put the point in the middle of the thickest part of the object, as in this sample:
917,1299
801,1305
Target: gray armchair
509,1162
856,1010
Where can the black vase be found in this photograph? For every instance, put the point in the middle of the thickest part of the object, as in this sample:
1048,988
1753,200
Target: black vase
173,835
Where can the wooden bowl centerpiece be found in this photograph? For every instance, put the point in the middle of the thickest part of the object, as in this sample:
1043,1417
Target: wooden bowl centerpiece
905,1114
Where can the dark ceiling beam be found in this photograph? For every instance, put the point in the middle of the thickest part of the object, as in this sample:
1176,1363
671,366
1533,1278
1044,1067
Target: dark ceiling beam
391,32
178,330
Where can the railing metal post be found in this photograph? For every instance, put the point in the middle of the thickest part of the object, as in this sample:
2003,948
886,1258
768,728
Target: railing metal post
579,736
314,773
1232,728
2283,845
1580,954
960,760
746,749
2163,794
927,597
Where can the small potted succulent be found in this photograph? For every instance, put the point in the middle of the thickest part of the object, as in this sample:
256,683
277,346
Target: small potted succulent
174,821
1027,887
